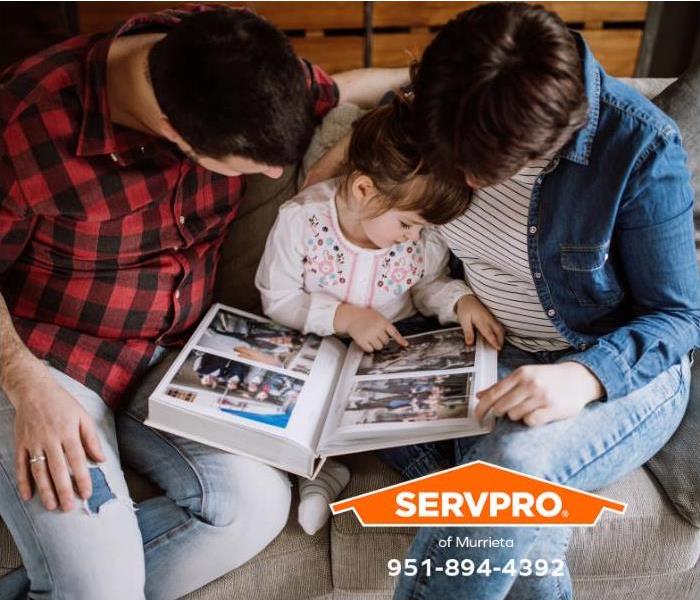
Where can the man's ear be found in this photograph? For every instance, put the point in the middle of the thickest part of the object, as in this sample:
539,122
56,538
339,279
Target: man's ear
166,129
362,190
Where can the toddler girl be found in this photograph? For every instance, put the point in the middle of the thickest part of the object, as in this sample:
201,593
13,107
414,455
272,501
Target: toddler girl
352,255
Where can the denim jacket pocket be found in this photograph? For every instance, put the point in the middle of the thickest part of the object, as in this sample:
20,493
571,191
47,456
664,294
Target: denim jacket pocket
590,276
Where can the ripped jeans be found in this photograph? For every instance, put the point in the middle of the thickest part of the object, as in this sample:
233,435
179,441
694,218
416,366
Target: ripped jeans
217,511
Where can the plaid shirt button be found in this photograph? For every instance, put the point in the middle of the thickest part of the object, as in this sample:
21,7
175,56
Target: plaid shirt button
182,220
177,294
114,157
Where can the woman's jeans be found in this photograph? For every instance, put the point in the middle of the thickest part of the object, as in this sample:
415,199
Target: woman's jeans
217,511
603,443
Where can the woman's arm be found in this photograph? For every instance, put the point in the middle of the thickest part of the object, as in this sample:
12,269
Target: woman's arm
655,241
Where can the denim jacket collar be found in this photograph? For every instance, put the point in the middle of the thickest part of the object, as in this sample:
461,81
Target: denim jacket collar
578,150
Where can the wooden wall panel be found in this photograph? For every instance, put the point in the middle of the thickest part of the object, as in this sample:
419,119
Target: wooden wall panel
398,49
616,50
432,14
331,33
417,14
102,16
334,54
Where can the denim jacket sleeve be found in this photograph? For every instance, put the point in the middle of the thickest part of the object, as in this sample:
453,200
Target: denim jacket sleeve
655,237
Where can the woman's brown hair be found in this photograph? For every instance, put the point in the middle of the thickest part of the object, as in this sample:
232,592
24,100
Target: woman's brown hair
383,148
500,85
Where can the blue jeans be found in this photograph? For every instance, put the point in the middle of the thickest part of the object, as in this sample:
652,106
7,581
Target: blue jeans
603,443
216,511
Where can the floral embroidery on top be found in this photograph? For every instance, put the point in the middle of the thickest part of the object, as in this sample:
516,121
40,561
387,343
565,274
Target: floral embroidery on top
402,267
325,260
324,257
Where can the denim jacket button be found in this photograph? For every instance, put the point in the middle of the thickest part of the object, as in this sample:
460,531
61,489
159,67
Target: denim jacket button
538,275
551,312
582,346
533,229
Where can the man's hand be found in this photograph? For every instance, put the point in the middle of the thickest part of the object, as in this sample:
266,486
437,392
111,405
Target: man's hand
328,166
50,422
471,313
368,329
540,394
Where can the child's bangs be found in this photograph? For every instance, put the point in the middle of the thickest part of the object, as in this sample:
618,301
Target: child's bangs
437,201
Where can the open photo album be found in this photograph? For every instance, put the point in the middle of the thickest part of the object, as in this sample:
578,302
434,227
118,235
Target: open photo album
249,386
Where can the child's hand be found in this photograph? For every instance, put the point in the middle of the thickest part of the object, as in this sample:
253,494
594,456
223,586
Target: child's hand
368,329
472,313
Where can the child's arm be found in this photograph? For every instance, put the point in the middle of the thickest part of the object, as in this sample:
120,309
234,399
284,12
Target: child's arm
280,279
451,300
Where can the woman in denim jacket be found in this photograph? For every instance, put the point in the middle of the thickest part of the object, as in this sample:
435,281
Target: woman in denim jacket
607,241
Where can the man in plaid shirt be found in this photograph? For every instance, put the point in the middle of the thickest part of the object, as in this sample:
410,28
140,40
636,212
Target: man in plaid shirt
121,166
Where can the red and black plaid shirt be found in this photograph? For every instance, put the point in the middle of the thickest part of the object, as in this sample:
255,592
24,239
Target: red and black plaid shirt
109,238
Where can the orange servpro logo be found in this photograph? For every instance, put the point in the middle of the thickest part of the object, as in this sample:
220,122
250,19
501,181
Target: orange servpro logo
480,494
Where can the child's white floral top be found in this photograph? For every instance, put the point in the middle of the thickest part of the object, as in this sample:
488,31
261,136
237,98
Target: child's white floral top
309,268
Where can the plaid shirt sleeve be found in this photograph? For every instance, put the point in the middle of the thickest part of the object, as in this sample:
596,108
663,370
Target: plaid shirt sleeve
16,220
324,90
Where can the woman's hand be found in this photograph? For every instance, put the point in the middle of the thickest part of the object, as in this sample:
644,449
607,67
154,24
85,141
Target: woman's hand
368,329
540,394
50,422
471,313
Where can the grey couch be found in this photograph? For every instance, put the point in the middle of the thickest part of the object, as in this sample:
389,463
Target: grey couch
650,553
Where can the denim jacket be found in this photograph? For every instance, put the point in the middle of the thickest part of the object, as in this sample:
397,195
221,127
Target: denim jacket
611,242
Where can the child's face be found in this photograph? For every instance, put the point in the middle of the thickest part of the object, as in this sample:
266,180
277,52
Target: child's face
393,227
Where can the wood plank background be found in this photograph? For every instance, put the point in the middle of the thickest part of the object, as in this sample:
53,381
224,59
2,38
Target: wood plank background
335,34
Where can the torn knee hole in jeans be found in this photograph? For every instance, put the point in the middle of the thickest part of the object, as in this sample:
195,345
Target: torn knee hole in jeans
101,492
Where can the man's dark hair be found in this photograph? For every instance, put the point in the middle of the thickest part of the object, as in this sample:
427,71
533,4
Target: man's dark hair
501,84
230,83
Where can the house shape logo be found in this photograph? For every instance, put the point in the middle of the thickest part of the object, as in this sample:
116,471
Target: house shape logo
477,494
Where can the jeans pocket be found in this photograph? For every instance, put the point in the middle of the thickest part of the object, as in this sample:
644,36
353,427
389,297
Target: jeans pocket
590,275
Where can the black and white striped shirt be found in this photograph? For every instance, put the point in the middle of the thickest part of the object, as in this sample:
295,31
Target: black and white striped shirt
491,241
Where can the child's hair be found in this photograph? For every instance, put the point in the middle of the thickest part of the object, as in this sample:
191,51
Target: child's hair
383,148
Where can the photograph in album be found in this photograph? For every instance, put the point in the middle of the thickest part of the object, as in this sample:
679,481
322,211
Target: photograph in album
409,400
432,351
260,341
236,388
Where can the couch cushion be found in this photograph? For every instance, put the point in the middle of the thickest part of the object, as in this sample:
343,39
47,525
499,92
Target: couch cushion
650,538
677,467
245,240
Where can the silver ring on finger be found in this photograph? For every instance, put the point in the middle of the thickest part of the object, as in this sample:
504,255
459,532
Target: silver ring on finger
37,459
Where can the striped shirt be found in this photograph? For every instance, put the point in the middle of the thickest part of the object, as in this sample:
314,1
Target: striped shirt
491,241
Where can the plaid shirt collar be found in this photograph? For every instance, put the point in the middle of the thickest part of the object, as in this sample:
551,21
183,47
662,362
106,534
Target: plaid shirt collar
97,135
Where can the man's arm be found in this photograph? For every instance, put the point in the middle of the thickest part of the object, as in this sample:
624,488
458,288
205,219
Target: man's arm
48,421
366,87
15,358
